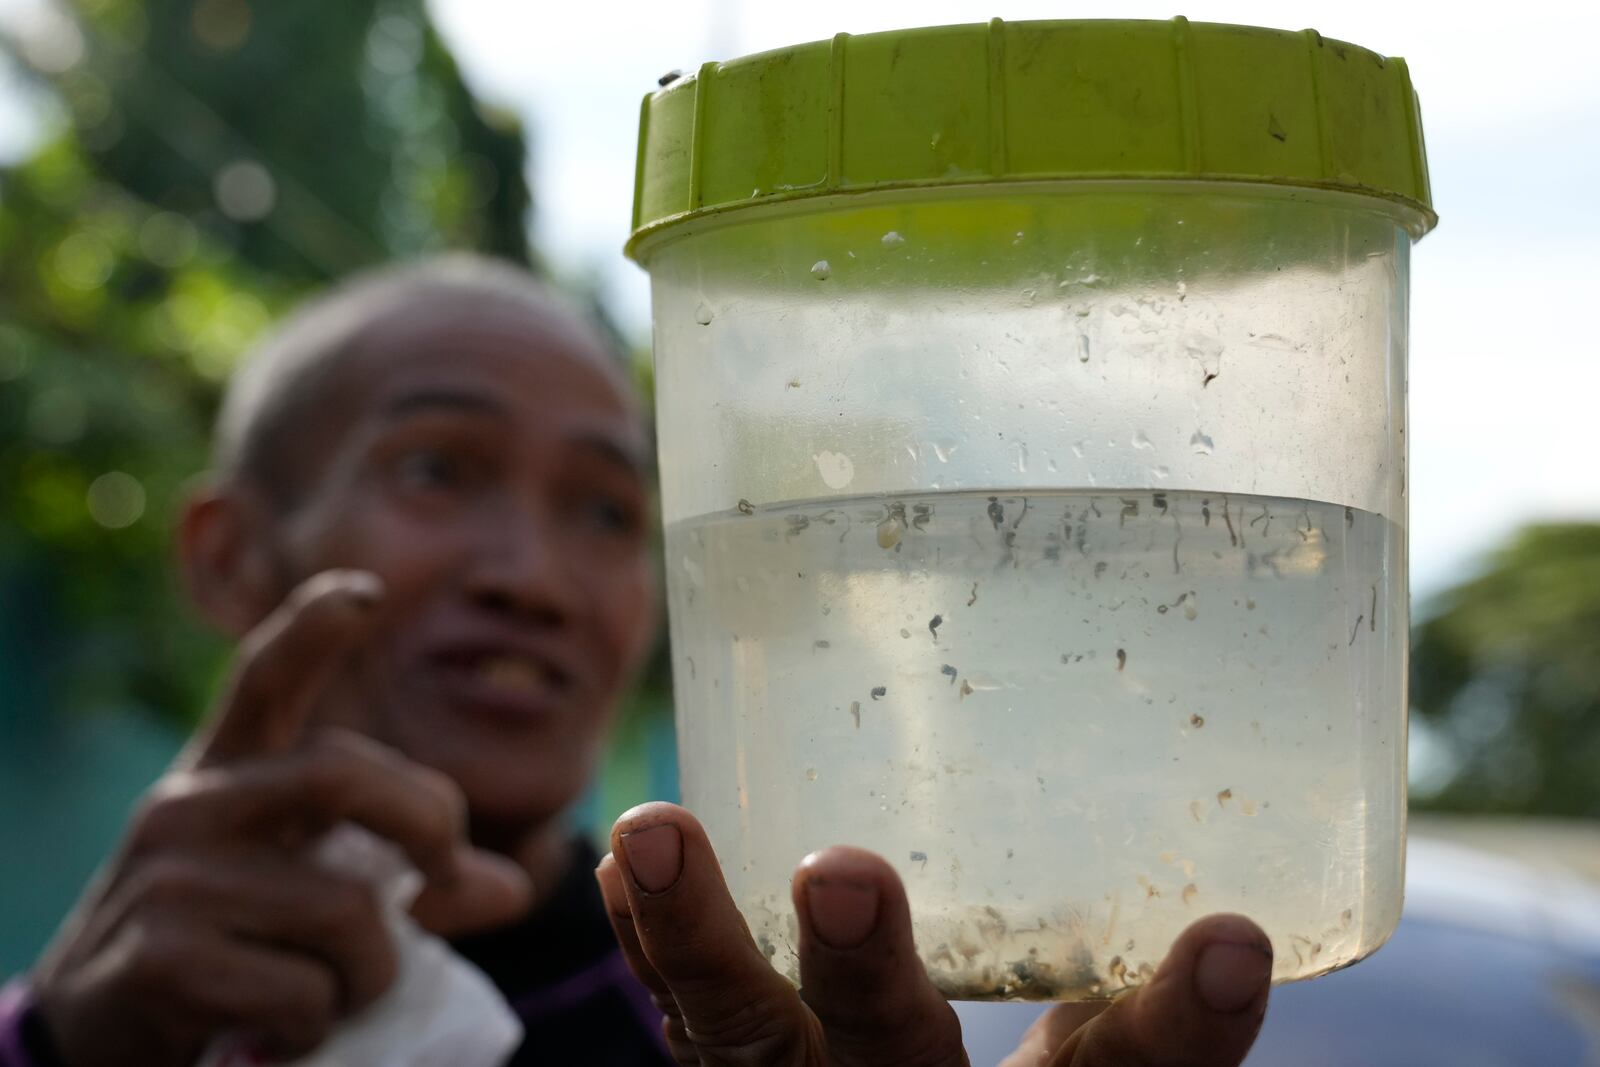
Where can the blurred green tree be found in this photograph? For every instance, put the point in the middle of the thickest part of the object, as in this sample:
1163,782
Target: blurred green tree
1506,668
220,158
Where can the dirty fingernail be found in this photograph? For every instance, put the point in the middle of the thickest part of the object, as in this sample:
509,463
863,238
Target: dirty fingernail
843,914
655,857
1229,977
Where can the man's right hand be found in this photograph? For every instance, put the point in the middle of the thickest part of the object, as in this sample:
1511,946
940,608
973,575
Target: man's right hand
864,998
213,916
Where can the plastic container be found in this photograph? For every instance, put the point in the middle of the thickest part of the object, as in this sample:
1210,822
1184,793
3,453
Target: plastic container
1033,464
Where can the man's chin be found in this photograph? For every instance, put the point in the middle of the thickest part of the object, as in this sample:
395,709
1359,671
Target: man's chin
518,793
511,811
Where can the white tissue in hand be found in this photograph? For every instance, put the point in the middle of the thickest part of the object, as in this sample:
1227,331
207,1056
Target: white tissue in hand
441,1010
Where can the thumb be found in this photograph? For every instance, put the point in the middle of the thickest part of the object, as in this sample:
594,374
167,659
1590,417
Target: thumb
734,1007
1203,1008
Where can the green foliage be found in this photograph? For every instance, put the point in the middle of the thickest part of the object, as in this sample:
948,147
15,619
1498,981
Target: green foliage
1507,668
369,144
222,159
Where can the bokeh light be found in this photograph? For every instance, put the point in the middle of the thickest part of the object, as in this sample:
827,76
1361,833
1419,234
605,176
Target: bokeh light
116,500
395,45
167,239
245,191
51,41
221,25
84,260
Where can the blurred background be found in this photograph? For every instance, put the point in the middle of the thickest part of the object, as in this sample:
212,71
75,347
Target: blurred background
176,173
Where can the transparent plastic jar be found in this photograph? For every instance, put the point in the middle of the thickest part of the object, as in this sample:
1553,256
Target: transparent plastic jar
1047,538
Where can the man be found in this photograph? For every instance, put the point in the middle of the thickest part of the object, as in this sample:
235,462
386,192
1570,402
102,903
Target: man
427,525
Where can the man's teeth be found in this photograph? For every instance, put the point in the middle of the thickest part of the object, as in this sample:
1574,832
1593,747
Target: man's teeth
512,672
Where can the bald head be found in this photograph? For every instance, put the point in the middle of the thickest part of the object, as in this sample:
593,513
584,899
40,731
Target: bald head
287,392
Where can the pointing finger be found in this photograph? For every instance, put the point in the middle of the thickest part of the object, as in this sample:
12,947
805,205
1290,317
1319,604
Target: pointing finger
284,664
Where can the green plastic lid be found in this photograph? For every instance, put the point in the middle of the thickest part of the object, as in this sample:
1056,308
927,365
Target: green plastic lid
1031,101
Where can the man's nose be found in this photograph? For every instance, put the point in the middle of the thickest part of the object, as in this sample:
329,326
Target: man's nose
517,569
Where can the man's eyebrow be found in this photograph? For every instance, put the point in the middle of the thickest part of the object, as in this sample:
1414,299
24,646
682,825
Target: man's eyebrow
618,453
423,400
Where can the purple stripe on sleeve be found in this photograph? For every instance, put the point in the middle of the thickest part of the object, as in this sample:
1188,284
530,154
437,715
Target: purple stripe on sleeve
610,972
16,1000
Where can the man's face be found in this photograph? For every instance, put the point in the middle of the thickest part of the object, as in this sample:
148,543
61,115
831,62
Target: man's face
491,471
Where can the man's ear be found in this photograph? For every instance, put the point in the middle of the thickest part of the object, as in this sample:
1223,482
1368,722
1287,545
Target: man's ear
227,558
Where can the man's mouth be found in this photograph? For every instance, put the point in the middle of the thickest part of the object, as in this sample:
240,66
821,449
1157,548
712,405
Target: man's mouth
505,681
515,673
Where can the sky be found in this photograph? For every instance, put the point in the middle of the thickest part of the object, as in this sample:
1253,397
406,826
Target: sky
1505,364
1505,375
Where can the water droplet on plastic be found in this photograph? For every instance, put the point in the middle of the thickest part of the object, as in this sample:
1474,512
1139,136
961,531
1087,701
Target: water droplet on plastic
1077,449
1019,237
1183,290
944,452
702,314
811,774
1142,440
1051,466
1022,458
1201,443
1082,346
836,468
820,270
1161,473
891,239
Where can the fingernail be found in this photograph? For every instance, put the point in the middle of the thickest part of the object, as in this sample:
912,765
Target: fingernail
843,914
364,587
655,857
1229,977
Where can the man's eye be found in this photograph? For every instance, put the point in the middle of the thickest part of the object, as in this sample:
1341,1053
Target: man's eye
430,468
611,515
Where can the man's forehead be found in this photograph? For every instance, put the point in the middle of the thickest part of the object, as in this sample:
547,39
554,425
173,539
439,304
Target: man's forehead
612,435
529,369
339,359
543,356
537,321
